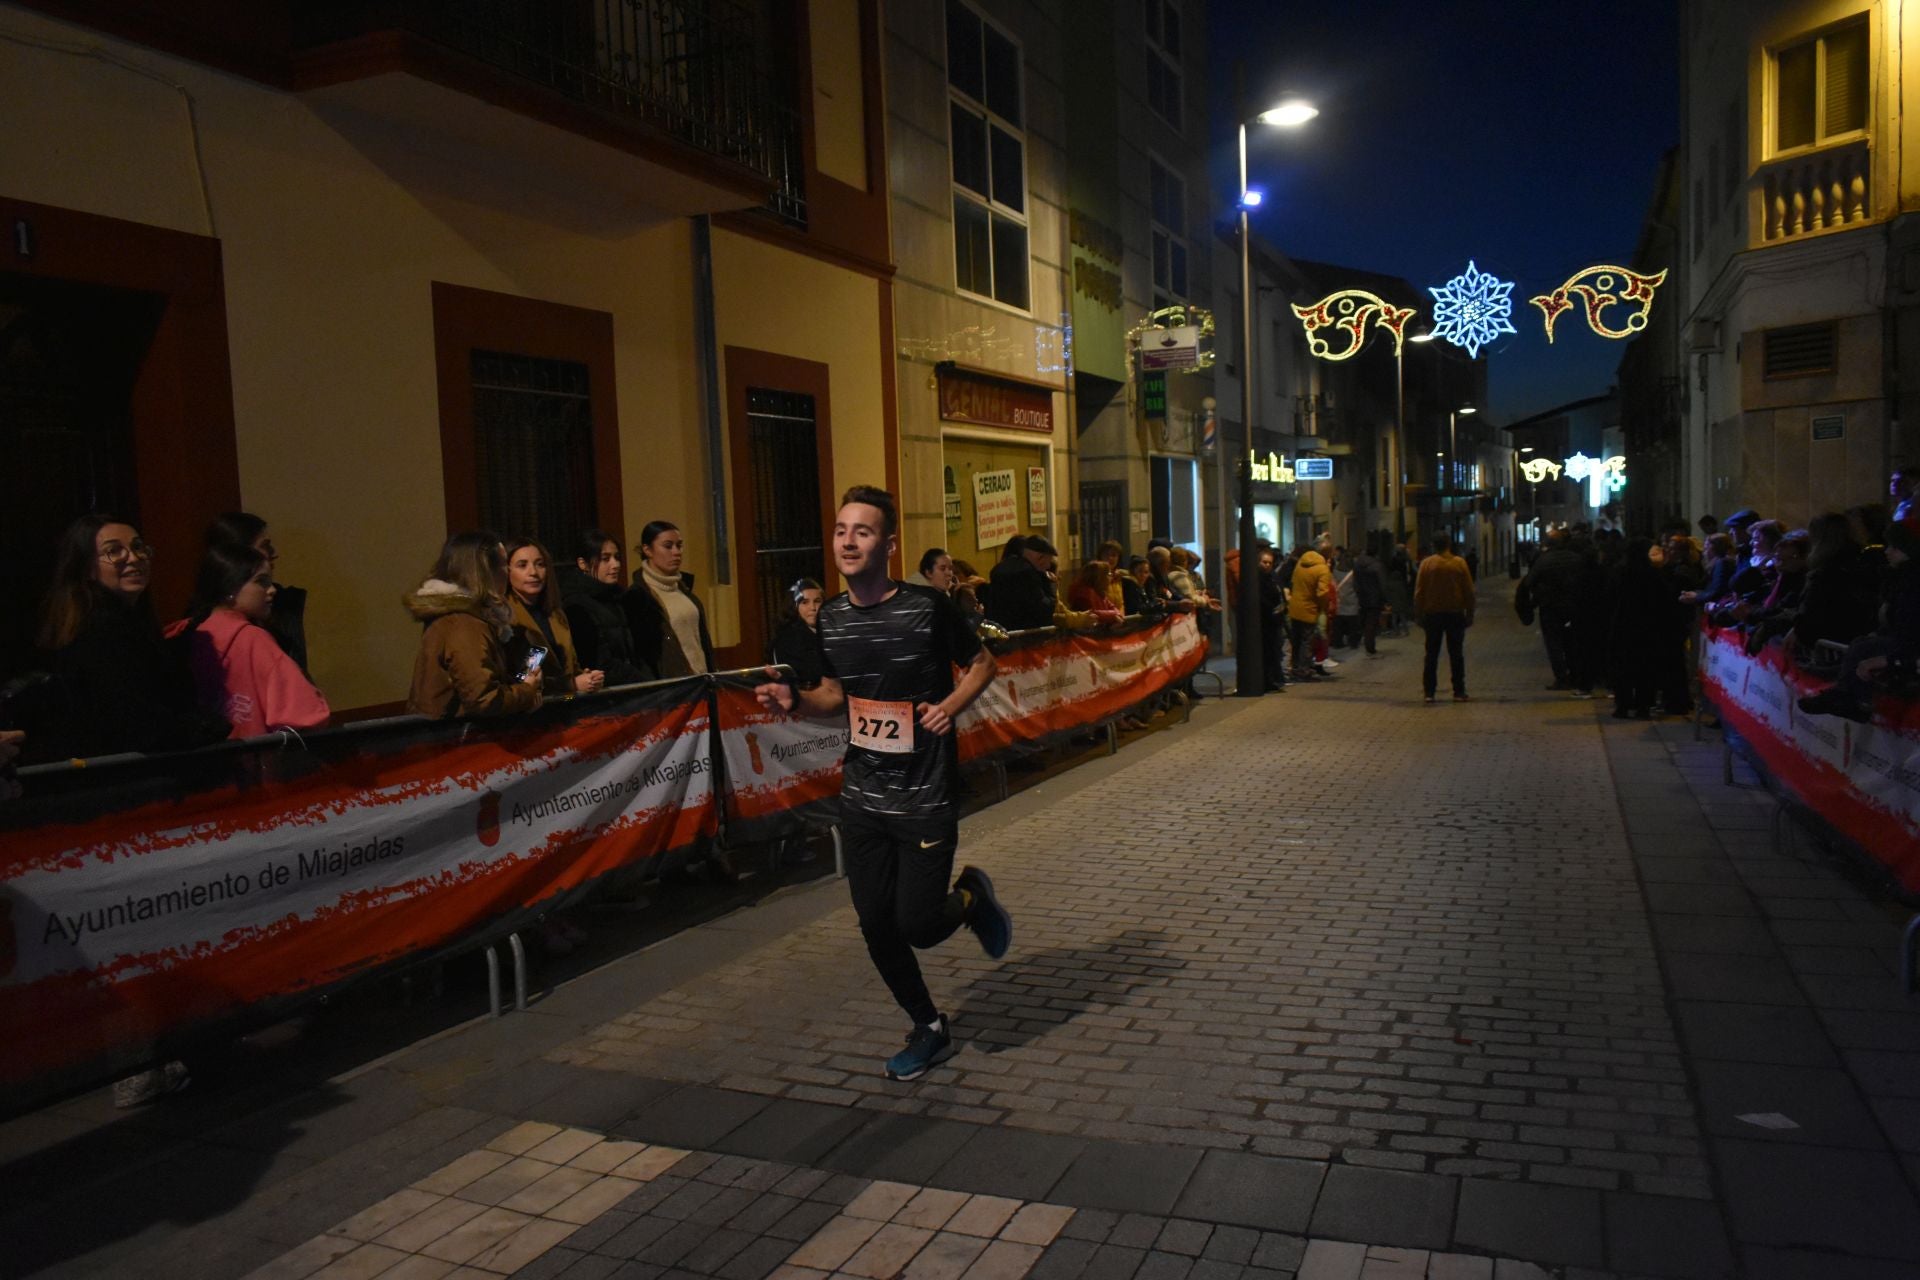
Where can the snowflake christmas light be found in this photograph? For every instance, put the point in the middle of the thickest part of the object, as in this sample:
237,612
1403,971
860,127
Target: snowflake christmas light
1473,309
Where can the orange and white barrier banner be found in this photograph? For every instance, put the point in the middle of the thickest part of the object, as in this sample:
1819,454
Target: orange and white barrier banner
142,901
1863,780
782,771
1062,683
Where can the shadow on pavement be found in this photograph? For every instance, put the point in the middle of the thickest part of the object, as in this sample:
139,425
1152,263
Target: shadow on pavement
1055,986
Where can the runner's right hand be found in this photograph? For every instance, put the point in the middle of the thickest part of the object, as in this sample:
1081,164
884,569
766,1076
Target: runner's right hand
775,695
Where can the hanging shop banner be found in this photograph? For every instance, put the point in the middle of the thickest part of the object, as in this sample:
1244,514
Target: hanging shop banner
203,884
1037,504
783,772
987,401
996,509
1055,686
1862,780
1176,348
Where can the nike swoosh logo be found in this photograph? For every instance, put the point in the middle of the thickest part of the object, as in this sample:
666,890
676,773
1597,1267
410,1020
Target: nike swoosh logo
931,844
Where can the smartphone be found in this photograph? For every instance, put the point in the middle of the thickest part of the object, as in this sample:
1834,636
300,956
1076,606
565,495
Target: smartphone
535,657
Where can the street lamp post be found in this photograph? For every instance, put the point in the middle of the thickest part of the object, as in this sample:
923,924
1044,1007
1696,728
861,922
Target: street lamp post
1453,469
1249,661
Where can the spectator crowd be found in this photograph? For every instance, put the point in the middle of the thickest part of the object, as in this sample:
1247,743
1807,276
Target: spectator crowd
1841,597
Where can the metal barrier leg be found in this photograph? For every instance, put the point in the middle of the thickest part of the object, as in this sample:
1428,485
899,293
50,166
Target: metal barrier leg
1726,760
493,982
839,852
1000,775
1113,738
519,972
1909,943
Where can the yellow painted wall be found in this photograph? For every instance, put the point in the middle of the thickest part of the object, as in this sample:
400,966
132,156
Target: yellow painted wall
770,299
332,230
839,91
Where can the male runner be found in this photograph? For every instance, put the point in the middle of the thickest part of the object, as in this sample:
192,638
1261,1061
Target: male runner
888,651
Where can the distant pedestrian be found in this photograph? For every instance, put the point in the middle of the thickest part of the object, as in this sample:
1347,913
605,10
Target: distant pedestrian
1443,597
1309,598
1554,584
1369,590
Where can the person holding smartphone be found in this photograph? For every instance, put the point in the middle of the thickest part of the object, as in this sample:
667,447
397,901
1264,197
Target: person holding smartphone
461,668
889,651
542,635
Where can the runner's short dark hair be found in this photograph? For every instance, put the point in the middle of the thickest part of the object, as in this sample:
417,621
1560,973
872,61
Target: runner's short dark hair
879,499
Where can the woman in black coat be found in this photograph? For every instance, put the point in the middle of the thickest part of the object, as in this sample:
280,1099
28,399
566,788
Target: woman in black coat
797,642
668,622
123,686
591,591
1641,631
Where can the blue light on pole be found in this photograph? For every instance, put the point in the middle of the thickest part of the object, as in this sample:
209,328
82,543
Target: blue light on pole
1251,198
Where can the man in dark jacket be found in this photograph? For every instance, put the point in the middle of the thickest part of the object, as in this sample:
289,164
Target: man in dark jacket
1369,582
1020,595
1892,650
1554,584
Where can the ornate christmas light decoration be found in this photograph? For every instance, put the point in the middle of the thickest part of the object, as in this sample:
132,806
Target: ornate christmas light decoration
1603,476
1473,309
1607,286
1538,469
1350,310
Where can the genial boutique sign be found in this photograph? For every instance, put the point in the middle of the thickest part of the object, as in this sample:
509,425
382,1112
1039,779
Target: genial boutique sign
989,402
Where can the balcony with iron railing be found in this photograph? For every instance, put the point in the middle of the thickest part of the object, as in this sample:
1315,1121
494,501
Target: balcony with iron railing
1817,191
684,83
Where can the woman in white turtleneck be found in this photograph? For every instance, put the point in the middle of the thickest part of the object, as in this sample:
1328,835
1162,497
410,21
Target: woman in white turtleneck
669,626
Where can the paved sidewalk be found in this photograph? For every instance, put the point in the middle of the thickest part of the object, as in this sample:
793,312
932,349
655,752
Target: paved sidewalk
1332,985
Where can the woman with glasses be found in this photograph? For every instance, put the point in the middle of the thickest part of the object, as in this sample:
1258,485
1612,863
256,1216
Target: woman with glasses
591,588
239,668
125,688
288,622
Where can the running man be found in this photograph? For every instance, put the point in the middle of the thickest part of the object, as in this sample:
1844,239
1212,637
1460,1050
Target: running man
889,650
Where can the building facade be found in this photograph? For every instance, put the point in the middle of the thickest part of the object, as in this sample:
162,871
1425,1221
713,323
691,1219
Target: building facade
1801,261
1048,194
382,272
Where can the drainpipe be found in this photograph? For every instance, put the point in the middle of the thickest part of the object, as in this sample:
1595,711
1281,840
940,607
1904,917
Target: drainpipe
706,351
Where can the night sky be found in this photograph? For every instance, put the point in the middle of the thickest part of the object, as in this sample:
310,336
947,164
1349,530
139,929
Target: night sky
1523,134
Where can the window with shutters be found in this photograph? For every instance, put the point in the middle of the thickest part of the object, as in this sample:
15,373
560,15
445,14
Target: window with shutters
989,146
1820,88
1800,350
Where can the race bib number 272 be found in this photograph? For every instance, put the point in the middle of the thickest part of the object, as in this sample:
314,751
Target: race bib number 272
881,726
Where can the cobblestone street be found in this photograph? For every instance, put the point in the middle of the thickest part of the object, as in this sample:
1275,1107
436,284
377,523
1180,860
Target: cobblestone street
1335,985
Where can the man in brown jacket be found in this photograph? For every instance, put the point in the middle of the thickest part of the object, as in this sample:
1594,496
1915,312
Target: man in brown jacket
1443,597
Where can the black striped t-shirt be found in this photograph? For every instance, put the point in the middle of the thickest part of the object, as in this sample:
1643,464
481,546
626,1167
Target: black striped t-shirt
903,649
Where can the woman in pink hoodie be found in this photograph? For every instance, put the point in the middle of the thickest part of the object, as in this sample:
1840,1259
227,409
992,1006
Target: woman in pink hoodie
239,669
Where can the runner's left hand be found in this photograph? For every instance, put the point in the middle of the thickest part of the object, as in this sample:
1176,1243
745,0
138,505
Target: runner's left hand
934,720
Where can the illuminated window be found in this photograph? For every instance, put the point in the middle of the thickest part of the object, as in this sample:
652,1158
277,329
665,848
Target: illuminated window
1167,193
1820,88
1164,43
989,145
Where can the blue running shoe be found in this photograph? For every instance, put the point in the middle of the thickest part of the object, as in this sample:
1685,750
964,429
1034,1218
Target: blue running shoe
988,919
927,1047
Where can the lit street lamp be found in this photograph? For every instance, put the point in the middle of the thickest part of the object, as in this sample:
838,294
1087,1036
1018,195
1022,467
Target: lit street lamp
1249,661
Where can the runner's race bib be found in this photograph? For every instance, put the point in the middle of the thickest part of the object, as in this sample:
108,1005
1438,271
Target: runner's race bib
881,726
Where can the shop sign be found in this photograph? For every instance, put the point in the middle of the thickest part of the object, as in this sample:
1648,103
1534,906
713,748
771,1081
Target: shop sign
996,509
1153,396
1313,468
1037,496
1272,469
991,403
1170,348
